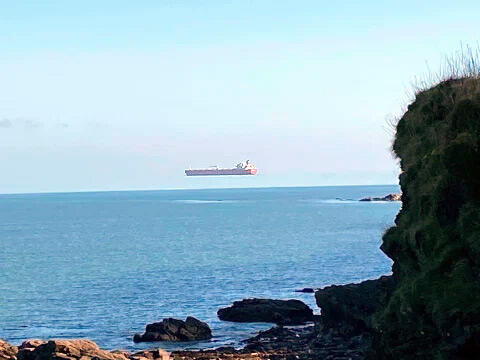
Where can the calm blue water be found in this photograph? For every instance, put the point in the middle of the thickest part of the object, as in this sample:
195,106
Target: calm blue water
103,265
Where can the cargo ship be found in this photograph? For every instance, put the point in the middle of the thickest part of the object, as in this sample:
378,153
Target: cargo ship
243,168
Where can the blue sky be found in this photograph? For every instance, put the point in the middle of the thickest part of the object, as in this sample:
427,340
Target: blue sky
124,95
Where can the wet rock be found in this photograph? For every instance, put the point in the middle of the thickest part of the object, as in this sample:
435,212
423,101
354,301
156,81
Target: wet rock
282,312
175,330
389,197
7,351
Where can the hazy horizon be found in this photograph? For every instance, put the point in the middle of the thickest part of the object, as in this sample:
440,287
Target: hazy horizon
196,188
125,96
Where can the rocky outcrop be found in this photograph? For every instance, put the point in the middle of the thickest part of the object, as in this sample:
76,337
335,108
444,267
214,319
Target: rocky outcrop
282,343
282,312
76,349
308,343
434,311
277,343
389,197
350,308
175,330
65,350
7,351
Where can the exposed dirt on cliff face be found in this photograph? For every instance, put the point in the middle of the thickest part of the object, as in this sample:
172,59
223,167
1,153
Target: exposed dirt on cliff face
434,311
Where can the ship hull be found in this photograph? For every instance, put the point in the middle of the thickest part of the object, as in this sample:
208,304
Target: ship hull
217,172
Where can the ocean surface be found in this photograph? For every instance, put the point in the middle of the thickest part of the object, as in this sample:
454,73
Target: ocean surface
102,265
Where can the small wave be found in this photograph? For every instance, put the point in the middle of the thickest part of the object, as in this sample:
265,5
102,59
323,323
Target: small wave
332,201
205,201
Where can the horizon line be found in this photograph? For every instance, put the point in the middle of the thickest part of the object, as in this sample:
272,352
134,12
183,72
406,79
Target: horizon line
184,189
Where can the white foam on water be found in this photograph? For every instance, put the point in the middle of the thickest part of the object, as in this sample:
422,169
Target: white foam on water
331,201
205,201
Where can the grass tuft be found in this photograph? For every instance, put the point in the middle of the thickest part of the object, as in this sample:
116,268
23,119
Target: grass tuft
461,65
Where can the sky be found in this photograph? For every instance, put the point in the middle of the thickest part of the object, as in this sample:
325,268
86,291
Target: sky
124,95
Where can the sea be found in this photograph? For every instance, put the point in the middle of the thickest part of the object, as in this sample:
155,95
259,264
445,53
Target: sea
102,265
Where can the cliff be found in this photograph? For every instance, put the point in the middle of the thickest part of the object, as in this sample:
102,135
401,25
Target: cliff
434,310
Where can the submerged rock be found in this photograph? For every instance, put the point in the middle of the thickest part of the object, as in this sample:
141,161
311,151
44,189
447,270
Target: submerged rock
175,330
306,290
282,312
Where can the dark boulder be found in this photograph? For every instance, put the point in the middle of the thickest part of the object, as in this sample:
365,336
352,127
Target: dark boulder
175,330
281,312
350,308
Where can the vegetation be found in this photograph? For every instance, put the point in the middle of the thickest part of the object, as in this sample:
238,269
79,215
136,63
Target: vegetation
434,311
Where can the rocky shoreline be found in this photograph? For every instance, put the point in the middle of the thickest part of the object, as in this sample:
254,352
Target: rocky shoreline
327,336
276,343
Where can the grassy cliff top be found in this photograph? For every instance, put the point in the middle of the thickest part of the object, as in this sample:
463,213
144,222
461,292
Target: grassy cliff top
434,311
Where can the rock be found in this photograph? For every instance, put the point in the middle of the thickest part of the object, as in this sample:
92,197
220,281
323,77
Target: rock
31,344
124,353
157,354
175,330
67,350
305,290
389,197
7,351
282,312
278,343
350,308
28,346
